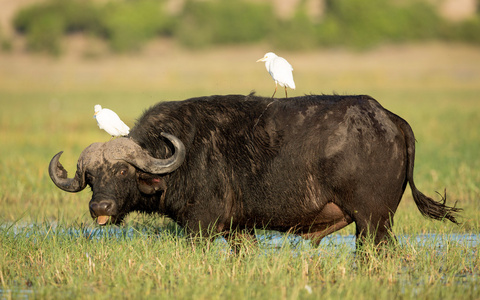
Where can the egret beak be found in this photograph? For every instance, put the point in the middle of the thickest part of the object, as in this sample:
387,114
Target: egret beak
261,59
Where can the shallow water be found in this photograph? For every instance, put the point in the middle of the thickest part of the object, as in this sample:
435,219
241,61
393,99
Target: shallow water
269,239
16,294
438,240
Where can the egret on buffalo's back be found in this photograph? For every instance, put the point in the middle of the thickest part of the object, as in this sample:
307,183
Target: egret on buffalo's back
280,70
109,121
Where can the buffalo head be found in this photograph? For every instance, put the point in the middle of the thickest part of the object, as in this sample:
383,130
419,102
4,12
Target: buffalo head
120,173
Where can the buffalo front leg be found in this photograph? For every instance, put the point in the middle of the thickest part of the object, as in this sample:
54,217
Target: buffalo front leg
241,241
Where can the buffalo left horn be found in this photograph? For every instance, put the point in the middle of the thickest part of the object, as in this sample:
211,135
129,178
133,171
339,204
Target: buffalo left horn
59,175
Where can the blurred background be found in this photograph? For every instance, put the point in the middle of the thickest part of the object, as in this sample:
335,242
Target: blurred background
181,47
58,58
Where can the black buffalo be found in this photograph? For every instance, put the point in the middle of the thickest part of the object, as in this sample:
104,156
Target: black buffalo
309,165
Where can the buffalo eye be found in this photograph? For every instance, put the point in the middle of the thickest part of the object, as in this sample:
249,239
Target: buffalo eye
89,178
123,172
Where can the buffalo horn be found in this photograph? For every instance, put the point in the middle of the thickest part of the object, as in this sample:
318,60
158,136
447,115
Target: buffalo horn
59,176
147,163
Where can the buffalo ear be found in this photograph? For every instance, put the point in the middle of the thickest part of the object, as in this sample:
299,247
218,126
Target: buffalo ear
150,184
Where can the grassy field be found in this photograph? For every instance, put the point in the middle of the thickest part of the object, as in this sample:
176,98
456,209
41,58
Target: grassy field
53,250
54,262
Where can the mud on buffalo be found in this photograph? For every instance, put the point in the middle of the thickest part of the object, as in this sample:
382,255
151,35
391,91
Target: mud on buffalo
309,165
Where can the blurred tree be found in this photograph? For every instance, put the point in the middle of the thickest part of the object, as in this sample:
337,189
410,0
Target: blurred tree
224,22
127,24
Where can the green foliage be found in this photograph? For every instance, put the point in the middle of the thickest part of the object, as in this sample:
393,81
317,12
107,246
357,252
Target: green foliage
125,24
129,24
363,24
46,23
468,31
5,44
73,15
45,34
297,33
224,22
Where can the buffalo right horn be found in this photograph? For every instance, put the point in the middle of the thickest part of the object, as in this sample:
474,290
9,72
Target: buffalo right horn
129,151
59,176
163,166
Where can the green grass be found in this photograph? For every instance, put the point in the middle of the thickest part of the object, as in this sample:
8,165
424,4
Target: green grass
69,260
50,248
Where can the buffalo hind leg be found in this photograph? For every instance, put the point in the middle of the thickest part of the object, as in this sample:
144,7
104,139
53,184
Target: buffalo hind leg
332,218
376,230
316,236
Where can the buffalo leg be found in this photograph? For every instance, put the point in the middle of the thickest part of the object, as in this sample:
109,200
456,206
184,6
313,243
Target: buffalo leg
241,239
317,236
376,229
330,218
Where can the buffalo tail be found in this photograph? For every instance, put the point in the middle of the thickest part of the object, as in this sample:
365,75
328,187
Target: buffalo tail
427,206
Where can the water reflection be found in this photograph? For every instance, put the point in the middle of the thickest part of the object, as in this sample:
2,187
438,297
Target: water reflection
16,294
266,238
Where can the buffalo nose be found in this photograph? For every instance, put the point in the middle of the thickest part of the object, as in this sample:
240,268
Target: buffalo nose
102,208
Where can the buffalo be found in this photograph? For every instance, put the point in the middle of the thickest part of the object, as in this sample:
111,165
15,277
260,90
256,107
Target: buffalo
308,165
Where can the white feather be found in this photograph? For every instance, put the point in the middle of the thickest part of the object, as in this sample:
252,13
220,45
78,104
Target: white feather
279,69
109,121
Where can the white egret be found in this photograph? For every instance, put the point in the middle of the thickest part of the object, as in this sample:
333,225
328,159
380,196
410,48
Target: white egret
109,121
280,70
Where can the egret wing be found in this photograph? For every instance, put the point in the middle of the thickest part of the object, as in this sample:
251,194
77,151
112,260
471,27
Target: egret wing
281,72
115,123
109,121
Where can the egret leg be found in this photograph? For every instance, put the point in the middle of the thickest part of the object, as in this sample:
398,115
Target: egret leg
286,96
275,90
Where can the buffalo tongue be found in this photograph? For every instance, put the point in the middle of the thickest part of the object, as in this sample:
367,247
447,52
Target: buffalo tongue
102,220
